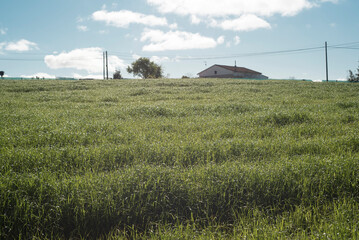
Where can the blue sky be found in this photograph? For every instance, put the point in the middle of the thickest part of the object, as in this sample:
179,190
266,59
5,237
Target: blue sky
66,38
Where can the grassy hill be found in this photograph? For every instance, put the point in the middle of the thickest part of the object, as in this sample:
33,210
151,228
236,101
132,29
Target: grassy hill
179,159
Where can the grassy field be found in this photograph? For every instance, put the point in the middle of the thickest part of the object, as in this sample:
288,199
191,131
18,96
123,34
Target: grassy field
179,159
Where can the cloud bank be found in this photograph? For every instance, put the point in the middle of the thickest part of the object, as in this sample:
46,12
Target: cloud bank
39,75
123,18
234,15
215,8
176,40
246,22
88,59
22,45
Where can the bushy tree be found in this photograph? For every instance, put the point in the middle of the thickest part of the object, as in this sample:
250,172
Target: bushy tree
145,68
353,77
2,73
117,74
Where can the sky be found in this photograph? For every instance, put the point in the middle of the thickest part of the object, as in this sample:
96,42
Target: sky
283,39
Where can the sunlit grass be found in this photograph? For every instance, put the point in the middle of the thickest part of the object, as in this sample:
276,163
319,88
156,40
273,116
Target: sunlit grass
169,159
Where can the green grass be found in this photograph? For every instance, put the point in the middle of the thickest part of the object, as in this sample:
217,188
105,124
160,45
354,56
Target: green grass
179,159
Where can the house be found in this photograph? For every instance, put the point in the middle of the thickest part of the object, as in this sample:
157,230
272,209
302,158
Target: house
223,71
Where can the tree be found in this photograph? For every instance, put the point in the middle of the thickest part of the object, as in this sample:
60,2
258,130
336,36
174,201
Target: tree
145,68
353,77
2,73
117,74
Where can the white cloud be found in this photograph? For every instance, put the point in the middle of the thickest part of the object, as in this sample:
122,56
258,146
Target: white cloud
236,15
215,8
156,59
173,26
88,76
88,59
22,45
331,1
82,28
39,75
195,19
220,40
159,60
237,40
175,40
124,18
248,22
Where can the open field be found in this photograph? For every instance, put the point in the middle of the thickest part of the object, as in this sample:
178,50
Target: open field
179,159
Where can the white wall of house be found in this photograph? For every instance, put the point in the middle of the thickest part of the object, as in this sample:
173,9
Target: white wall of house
220,72
215,71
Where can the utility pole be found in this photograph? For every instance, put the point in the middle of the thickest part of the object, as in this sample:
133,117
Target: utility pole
106,65
103,65
326,60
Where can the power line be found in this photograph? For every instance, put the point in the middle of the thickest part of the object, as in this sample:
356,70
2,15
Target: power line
128,56
254,54
348,48
345,44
